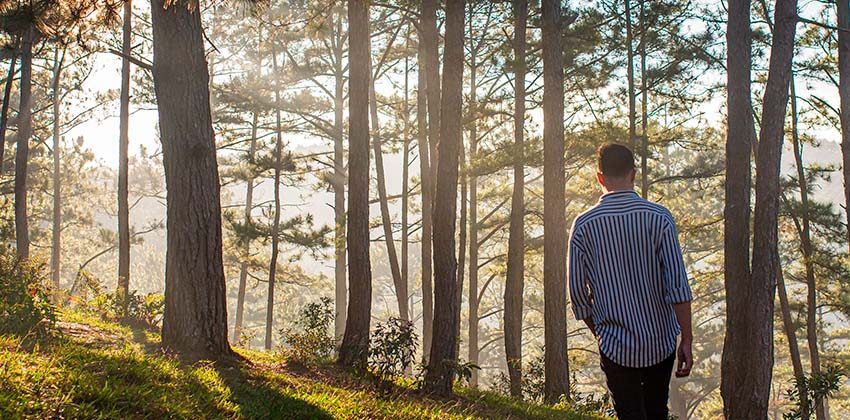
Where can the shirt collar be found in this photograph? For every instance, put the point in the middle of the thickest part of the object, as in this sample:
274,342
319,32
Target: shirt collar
617,194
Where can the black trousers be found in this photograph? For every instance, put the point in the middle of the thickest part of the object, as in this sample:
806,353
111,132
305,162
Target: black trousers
640,393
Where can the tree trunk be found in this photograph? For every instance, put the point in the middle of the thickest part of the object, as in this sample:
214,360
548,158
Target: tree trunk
441,372
278,162
791,336
4,111
195,321
473,214
754,348
554,207
844,94
630,76
430,74
355,343
461,247
805,233
386,221
426,194
339,184
246,243
56,248
514,283
405,179
644,104
22,154
124,161
739,144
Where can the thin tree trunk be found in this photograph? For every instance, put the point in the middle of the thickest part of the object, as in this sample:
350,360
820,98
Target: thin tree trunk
844,94
355,343
246,243
56,248
339,184
440,375
739,145
195,321
791,336
473,216
124,161
386,221
461,246
4,111
405,179
630,76
278,162
22,154
554,223
430,43
751,344
514,283
644,105
805,233
425,171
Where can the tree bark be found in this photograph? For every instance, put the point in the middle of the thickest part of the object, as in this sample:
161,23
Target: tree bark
630,76
473,213
805,232
278,162
426,191
355,343
430,74
441,368
4,111
405,178
195,321
844,94
514,282
386,221
124,161
56,248
791,336
554,207
339,184
22,238
246,243
644,104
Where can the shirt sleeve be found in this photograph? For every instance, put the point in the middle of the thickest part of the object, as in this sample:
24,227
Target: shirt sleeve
580,293
674,274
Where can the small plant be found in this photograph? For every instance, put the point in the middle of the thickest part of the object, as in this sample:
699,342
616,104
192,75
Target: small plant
144,310
818,387
25,306
311,342
246,338
392,350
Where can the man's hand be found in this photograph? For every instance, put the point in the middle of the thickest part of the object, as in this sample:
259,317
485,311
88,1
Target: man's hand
685,359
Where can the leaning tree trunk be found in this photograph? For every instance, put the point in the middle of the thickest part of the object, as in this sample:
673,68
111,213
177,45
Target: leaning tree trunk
195,321
554,207
430,66
516,232
246,242
4,111
426,191
124,162
739,143
791,335
805,231
440,375
340,291
278,162
22,237
56,247
747,392
355,343
844,94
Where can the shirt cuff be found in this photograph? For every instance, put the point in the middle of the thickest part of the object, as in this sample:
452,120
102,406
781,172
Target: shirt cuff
582,312
678,295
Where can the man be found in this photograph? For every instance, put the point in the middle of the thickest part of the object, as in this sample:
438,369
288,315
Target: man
628,284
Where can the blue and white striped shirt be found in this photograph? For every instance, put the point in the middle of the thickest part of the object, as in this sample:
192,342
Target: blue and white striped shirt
626,271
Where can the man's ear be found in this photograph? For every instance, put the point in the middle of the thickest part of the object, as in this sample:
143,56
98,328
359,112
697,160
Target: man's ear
600,178
633,176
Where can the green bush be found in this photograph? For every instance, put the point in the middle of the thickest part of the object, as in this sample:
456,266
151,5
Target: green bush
144,310
822,386
393,349
311,342
25,306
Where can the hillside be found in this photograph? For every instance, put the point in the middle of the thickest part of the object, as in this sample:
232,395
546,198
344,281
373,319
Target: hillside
95,369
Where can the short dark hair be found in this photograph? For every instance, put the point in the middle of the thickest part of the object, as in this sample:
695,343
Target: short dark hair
615,160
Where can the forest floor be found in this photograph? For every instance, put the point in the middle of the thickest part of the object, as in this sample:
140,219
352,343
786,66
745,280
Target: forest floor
89,368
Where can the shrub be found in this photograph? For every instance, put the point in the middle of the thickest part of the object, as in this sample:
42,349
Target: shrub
25,306
393,349
821,386
311,342
144,310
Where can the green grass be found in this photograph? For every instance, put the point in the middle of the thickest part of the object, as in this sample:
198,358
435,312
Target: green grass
97,369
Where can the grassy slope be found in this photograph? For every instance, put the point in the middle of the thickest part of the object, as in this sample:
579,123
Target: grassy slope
95,369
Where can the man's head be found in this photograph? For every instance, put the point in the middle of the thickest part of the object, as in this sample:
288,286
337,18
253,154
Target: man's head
615,167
